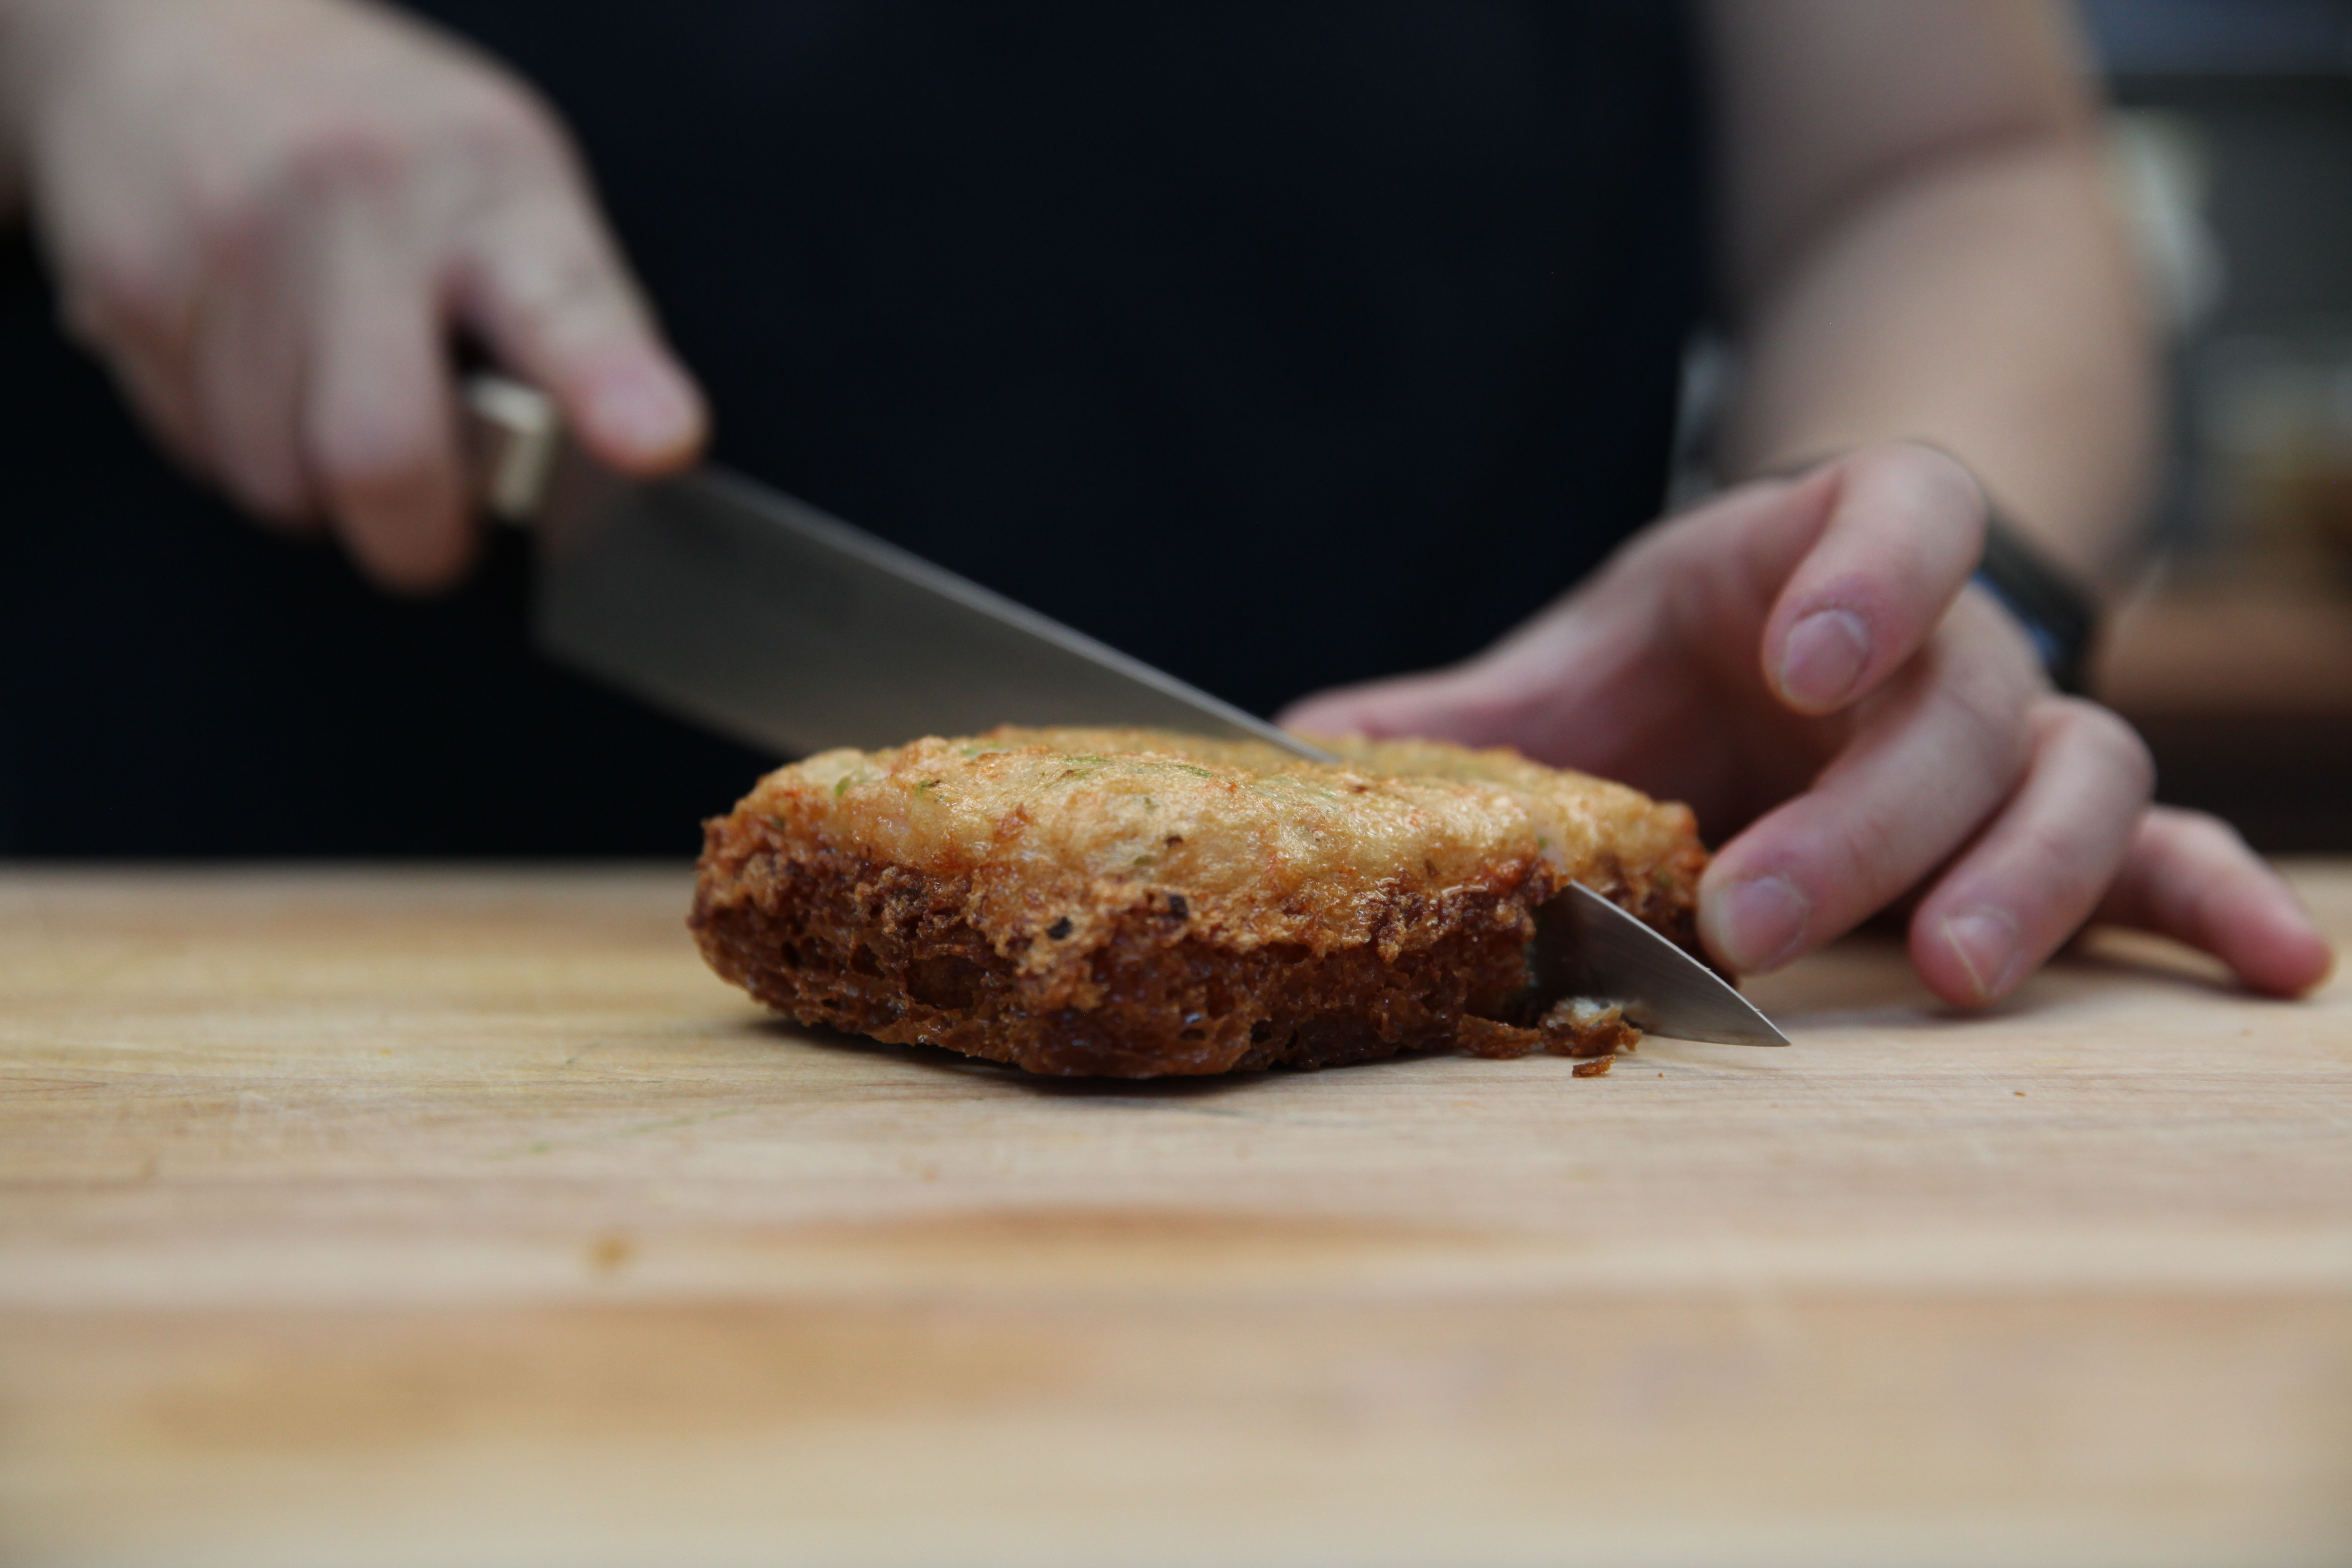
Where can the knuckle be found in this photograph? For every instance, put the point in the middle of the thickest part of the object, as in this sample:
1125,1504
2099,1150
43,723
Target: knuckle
502,126
233,211
503,149
1930,494
1936,481
269,488
1488,709
2107,735
404,544
366,454
345,155
2202,831
2125,748
1848,855
2204,823
1992,717
372,480
2066,861
565,301
118,292
555,290
1873,854
240,206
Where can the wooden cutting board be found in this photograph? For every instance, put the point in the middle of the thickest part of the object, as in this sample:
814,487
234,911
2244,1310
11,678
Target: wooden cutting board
454,1217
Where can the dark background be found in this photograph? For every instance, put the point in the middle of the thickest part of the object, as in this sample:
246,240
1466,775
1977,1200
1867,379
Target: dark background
1279,345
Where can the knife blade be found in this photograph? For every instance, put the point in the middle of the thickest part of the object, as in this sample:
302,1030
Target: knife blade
714,597
1587,946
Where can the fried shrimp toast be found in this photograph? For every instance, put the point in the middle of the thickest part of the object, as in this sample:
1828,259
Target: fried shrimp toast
1133,902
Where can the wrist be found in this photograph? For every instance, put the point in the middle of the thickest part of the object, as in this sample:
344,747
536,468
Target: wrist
2056,611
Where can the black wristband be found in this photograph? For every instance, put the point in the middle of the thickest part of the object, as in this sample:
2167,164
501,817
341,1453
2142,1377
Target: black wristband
2057,612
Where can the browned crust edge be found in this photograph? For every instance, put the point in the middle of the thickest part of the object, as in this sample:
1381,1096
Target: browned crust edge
830,938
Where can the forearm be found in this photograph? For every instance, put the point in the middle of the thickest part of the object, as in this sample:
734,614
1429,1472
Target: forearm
1987,305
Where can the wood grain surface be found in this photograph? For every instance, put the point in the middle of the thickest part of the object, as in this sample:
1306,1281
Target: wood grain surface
457,1217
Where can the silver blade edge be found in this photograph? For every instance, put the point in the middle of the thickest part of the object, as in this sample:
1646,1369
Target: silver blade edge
1587,946
716,597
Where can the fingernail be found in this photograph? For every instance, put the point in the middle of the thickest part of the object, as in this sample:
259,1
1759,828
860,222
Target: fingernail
1822,658
649,415
1759,923
1985,941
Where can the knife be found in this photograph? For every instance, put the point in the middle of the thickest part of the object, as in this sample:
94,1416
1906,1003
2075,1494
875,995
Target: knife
714,597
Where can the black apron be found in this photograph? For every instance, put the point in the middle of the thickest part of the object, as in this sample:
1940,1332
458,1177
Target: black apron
1279,345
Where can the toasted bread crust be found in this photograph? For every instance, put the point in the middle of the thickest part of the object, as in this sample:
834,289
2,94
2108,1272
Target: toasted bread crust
1130,904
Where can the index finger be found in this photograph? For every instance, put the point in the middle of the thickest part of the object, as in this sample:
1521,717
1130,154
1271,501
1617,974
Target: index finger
544,286
1904,537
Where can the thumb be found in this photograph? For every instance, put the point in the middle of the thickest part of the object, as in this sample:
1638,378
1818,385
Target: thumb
1403,706
1440,705
1536,690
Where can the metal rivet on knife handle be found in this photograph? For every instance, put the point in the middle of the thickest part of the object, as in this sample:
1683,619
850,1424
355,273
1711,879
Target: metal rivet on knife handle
512,432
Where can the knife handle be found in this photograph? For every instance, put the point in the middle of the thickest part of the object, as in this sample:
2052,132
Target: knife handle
512,434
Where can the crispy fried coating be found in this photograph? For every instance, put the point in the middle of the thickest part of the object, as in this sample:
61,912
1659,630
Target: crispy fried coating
1133,902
